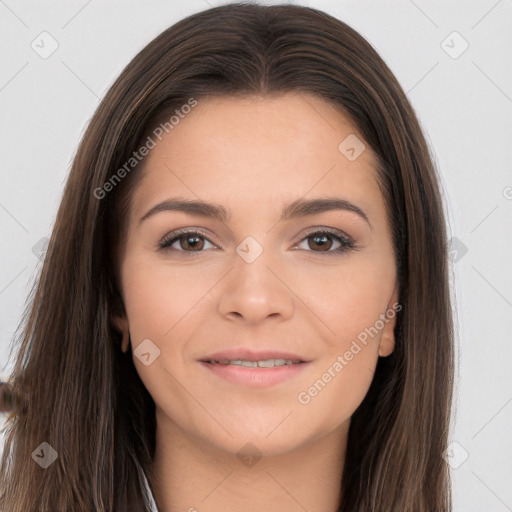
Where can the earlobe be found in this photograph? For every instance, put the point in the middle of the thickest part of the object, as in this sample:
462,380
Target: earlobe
125,343
121,324
386,346
387,339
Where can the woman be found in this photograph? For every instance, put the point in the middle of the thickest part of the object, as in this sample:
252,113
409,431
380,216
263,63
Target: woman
195,338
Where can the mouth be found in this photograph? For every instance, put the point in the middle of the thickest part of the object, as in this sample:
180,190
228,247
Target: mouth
263,363
239,355
257,369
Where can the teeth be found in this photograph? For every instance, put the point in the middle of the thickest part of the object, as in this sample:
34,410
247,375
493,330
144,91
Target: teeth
267,363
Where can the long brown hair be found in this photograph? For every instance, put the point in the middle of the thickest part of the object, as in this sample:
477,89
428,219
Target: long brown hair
79,393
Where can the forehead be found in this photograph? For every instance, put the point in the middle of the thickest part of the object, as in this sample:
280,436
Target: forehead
252,150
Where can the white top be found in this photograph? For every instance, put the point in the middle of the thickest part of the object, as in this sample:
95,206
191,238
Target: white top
153,504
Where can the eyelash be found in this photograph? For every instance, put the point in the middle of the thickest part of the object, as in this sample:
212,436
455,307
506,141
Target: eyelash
346,243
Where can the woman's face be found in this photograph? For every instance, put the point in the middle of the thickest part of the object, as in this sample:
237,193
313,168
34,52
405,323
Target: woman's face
259,284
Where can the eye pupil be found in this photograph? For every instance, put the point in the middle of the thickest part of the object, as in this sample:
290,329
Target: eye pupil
194,245
323,246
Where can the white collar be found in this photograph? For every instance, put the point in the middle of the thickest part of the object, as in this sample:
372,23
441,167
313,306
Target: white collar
148,490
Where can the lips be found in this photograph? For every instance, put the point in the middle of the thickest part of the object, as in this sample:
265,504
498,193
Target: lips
245,354
254,368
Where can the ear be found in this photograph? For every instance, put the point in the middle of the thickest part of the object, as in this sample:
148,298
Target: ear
387,339
121,324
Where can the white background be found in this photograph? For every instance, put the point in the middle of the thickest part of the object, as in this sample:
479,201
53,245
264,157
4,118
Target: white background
464,105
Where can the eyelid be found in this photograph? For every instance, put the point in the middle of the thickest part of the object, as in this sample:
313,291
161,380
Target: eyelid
326,229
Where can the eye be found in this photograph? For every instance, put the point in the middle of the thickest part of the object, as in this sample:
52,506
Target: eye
190,241
320,240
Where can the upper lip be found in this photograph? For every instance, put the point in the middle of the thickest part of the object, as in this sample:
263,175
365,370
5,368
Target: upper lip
247,354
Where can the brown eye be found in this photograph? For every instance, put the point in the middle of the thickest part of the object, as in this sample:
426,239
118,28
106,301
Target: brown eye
322,242
190,241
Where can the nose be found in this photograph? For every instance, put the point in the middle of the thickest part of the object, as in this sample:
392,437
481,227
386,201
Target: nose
257,290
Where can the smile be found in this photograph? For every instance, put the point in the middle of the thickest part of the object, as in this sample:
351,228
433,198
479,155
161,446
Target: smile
266,363
254,374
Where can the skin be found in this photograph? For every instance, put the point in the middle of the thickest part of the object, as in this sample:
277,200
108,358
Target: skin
253,155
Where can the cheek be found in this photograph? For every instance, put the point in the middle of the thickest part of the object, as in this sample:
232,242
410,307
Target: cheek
157,297
337,389
349,298
163,305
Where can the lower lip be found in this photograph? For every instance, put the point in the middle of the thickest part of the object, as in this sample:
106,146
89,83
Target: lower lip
257,377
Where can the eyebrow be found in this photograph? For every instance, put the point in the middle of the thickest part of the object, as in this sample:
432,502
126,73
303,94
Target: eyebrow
298,208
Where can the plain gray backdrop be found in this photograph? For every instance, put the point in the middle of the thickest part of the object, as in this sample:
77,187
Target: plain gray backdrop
453,59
